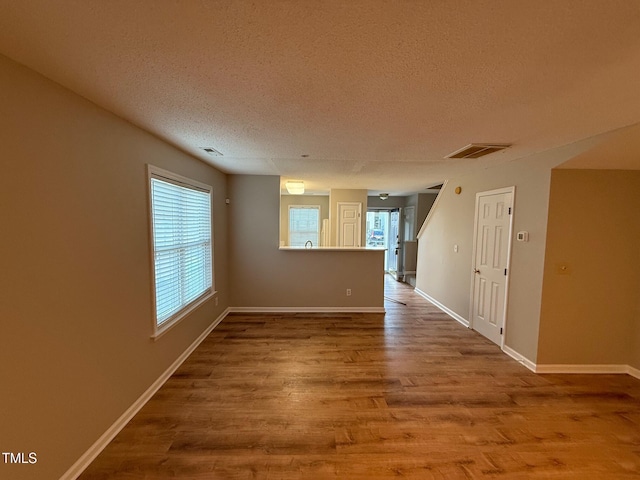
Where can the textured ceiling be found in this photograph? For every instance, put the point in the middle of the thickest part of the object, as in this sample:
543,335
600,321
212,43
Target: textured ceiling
376,93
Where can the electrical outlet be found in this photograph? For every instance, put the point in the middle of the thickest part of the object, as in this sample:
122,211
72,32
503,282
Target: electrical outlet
348,292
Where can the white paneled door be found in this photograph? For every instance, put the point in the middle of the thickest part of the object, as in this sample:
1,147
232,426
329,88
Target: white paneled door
492,245
349,224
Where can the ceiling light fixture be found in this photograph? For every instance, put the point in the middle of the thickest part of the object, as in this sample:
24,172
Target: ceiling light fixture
295,187
384,196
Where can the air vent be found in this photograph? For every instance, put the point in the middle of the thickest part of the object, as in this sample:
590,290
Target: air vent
477,150
213,151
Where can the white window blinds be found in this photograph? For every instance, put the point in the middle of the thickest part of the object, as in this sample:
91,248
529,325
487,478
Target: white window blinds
181,224
304,225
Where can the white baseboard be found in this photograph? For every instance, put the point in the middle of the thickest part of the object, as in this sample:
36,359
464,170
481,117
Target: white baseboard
572,368
588,369
83,462
520,358
442,307
634,372
89,456
560,368
307,310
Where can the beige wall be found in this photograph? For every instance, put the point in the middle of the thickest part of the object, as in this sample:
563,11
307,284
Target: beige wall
446,276
343,195
424,202
590,309
264,276
375,202
288,200
76,307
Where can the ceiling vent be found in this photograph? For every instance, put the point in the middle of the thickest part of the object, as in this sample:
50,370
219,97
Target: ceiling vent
477,150
213,151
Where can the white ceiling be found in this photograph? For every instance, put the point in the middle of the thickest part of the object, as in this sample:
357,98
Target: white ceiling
375,92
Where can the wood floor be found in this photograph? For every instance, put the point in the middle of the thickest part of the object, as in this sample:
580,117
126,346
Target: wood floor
410,394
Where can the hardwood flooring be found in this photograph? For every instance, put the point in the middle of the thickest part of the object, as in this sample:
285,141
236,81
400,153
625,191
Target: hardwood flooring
408,394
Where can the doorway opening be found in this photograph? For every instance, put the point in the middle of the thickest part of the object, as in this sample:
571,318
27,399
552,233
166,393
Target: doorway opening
383,231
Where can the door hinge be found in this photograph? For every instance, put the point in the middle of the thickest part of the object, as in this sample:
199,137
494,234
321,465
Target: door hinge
505,271
509,210
500,330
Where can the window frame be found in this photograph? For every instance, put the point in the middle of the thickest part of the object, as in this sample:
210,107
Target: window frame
306,207
154,172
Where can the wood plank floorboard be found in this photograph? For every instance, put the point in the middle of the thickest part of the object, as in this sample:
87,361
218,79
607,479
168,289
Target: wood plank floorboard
407,394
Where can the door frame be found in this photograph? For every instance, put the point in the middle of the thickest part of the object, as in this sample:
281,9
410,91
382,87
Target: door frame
497,191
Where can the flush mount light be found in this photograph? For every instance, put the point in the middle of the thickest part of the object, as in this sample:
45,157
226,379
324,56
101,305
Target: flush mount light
295,187
384,196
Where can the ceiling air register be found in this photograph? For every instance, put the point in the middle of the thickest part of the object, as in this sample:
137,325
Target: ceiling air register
477,150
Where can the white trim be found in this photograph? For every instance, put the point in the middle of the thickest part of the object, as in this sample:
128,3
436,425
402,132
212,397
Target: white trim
154,172
499,191
168,325
572,368
431,210
587,369
520,358
87,457
170,176
448,311
542,369
634,372
307,310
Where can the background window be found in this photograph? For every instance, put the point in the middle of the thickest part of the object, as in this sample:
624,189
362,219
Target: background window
304,225
182,253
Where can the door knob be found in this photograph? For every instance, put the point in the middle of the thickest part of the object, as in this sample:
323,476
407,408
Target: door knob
476,271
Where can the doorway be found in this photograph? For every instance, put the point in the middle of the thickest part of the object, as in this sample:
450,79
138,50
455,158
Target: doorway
491,254
395,244
383,231
378,232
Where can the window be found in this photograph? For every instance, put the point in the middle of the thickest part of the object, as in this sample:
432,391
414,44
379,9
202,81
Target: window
181,246
304,225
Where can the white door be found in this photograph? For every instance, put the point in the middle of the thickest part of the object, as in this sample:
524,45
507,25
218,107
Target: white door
492,246
349,224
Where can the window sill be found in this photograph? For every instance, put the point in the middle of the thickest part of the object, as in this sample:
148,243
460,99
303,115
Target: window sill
169,324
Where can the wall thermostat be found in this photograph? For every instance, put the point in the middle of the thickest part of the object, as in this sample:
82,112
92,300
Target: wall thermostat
522,236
